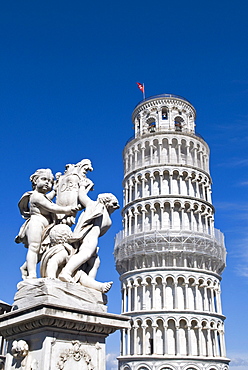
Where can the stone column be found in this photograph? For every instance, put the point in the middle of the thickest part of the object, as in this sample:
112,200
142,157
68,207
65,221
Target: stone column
186,287
151,152
175,296
177,341
143,210
128,342
143,180
124,289
123,342
142,155
179,153
152,184
216,346
135,329
209,343
135,157
135,221
165,340
144,295
160,183
152,217
135,296
154,327
153,296
130,183
129,290
189,341
143,339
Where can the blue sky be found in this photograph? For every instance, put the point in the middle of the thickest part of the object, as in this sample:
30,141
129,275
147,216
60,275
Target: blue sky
68,73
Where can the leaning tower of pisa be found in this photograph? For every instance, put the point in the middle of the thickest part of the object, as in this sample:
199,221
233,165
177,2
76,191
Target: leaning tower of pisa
169,255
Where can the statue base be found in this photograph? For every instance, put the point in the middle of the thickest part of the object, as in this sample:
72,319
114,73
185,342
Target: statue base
57,325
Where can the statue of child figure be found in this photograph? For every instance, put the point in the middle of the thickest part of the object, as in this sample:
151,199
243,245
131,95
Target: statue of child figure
39,210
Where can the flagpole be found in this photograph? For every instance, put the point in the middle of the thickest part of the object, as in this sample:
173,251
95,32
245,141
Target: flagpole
144,92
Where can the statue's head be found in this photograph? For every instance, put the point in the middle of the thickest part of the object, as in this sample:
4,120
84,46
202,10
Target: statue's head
60,234
45,173
19,348
109,200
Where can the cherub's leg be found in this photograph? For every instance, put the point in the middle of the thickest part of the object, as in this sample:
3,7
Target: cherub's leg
55,262
32,259
89,282
24,270
33,234
94,264
85,252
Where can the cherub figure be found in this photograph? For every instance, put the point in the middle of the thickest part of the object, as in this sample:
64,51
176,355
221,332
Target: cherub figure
60,251
41,212
92,223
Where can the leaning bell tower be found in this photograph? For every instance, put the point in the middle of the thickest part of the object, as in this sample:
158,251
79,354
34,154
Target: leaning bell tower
169,255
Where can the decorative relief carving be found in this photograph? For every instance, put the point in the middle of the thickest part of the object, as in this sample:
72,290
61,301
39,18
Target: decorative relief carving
77,353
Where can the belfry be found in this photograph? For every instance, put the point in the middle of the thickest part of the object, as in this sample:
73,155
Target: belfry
169,255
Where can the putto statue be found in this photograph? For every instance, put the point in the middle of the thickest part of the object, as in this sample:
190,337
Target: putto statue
65,254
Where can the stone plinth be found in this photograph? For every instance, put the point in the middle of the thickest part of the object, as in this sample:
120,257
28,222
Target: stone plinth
58,335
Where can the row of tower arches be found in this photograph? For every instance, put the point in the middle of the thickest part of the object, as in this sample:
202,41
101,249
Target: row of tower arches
168,293
156,121
171,336
167,182
173,150
176,214
145,366
158,116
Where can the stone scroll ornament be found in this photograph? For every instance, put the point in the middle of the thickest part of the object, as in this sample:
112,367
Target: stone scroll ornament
70,255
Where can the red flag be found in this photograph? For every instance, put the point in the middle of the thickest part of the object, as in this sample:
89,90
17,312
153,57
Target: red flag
141,86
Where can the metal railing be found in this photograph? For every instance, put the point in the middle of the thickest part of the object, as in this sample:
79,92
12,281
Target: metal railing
170,240
162,96
166,132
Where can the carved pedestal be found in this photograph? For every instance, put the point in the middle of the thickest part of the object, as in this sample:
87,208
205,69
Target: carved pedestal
44,332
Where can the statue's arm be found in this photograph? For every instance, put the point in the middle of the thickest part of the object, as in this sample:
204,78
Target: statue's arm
51,195
42,202
84,199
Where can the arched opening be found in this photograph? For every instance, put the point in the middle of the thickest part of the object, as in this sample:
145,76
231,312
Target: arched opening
181,293
158,301
164,113
194,337
160,338
139,338
149,339
151,124
178,122
148,294
171,337
169,294
183,338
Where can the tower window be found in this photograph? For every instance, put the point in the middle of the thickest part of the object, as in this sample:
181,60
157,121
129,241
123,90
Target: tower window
164,113
178,124
151,125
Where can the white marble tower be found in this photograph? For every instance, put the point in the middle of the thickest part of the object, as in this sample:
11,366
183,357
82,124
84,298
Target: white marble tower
169,256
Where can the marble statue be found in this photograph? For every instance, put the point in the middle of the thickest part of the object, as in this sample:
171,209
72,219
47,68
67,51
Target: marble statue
65,254
41,215
92,223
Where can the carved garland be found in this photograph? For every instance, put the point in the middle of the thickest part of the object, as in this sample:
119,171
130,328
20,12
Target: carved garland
77,353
